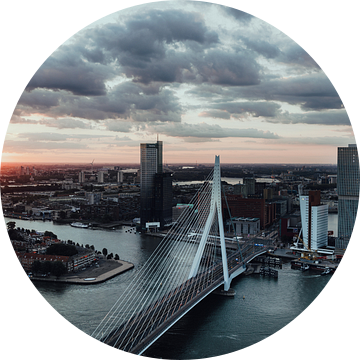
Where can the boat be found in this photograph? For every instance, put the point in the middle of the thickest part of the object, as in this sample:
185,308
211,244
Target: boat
305,267
327,271
79,225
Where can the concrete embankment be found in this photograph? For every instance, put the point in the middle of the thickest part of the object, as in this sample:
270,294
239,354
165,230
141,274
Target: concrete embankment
106,270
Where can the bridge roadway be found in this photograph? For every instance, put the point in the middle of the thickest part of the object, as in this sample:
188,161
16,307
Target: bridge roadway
145,327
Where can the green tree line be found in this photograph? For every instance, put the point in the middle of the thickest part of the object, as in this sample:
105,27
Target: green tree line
61,249
56,268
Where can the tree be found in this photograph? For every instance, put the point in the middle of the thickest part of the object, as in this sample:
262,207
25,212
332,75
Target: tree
36,267
104,251
58,268
61,249
46,267
116,257
11,225
51,234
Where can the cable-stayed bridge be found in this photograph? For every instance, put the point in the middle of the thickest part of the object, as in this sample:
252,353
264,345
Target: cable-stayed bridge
192,260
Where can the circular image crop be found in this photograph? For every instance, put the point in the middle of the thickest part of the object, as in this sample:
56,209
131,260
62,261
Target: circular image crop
179,180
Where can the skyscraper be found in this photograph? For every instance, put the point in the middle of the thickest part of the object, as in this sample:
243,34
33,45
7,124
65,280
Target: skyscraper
314,221
155,187
348,192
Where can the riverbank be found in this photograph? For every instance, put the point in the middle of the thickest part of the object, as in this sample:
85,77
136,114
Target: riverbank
105,270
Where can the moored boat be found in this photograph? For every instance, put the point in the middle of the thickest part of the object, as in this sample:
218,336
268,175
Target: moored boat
305,267
79,225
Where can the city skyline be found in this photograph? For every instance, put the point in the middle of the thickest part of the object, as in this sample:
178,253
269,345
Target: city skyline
207,80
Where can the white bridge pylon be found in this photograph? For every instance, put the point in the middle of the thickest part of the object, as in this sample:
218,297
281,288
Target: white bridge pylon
215,209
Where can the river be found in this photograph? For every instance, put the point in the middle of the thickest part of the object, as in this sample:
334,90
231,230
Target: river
214,327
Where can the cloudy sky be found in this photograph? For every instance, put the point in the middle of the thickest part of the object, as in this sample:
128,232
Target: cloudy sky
207,79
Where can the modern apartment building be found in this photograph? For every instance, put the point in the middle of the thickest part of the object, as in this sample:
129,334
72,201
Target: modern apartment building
314,221
348,192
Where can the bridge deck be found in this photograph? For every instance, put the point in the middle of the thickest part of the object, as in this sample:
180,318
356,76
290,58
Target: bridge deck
158,317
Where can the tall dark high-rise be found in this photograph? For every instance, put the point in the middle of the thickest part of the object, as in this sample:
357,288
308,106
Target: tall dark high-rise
348,192
155,186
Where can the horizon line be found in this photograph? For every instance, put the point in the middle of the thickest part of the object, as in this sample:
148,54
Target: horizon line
167,163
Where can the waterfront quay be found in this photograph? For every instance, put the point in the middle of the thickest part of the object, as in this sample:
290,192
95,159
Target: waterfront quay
316,265
299,263
46,258
95,274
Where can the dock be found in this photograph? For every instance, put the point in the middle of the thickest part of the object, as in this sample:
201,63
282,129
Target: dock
267,271
314,265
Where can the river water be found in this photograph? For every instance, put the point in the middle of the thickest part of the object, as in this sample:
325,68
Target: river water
216,326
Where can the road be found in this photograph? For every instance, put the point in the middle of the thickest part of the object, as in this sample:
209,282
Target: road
143,328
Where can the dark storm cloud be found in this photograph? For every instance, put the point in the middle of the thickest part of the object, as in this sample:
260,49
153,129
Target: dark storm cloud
310,92
228,68
39,100
67,70
151,52
126,100
262,47
157,46
174,46
140,45
172,26
286,52
293,54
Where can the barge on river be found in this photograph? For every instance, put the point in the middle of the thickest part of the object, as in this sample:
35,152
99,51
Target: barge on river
315,265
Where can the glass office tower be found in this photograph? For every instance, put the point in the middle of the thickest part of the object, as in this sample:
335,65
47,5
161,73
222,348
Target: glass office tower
150,164
348,192
155,186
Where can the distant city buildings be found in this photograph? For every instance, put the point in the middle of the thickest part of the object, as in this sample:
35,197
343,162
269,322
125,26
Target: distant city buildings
119,177
348,192
155,187
81,177
101,176
246,226
249,208
26,171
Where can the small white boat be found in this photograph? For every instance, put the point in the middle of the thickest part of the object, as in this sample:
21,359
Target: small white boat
79,225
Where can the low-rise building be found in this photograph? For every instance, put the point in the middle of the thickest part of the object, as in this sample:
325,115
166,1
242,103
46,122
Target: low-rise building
27,259
72,263
247,226
83,260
